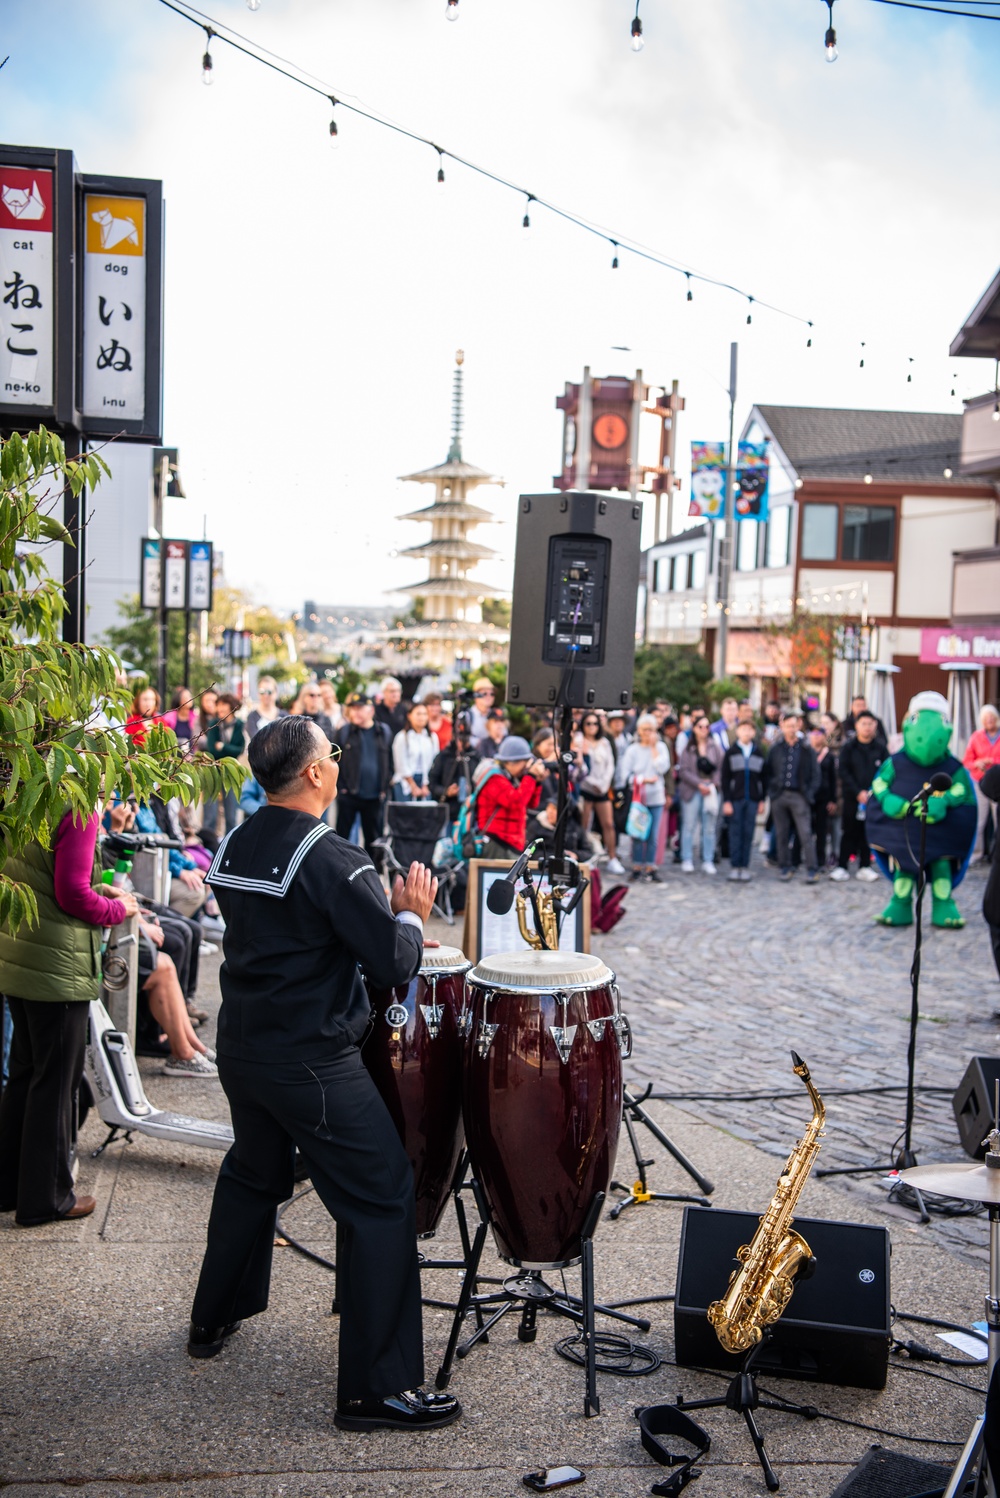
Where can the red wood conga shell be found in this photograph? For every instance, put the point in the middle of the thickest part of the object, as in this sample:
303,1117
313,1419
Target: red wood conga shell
419,1073
542,1131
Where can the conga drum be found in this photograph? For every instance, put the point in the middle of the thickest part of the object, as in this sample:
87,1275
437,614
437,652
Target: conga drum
414,1055
542,1097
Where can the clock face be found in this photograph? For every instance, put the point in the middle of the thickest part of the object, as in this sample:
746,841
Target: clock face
610,431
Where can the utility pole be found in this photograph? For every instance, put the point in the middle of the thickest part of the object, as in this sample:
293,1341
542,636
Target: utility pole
726,546
161,478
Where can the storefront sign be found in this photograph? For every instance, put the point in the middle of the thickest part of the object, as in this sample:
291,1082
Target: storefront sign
114,306
963,647
200,575
36,287
121,297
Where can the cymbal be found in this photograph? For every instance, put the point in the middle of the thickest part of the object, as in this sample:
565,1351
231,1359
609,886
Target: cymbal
971,1183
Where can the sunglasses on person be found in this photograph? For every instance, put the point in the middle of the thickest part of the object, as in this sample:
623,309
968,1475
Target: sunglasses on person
266,691
490,693
334,754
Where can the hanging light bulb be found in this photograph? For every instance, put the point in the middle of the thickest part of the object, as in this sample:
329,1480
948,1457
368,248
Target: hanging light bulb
206,61
947,473
862,364
440,163
750,313
909,375
830,40
451,10
526,221
690,295
334,134
638,40
614,263
996,409
809,341
253,4
868,472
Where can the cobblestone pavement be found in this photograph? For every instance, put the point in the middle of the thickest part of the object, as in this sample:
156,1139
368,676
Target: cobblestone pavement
721,980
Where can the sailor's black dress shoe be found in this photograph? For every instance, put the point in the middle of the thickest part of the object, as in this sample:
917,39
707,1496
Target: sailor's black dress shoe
414,1409
206,1341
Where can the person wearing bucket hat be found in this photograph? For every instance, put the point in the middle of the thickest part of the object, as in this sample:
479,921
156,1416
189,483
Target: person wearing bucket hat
506,795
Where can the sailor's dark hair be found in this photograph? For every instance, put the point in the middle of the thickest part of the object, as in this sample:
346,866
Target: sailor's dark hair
280,751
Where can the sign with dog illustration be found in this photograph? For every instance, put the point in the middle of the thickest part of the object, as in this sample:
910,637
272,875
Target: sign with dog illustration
120,306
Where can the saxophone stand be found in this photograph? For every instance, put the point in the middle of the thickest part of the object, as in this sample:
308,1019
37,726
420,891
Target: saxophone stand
906,1159
744,1398
639,1193
528,1290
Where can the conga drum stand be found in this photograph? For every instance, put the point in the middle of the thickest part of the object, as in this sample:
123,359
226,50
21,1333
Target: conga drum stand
529,1291
639,1193
973,1183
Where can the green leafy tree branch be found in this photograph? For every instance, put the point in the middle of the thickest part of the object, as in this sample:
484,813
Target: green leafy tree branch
58,750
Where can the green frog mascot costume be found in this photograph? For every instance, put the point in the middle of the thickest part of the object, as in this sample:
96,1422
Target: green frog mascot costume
893,815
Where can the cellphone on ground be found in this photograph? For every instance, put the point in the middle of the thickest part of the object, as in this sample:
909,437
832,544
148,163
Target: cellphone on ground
552,1477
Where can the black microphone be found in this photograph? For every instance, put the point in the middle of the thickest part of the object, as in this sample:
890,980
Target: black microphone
500,896
942,781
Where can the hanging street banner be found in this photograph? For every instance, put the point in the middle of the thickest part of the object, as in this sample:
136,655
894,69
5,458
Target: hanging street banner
150,580
121,300
708,481
200,576
36,287
175,566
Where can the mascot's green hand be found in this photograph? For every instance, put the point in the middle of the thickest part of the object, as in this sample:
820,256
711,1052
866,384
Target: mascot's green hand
892,805
937,809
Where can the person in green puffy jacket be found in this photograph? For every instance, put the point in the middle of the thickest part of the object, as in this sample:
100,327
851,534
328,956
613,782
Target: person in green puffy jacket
49,973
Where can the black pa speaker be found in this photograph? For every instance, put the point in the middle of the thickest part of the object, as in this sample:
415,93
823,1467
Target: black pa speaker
972,1101
576,581
836,1327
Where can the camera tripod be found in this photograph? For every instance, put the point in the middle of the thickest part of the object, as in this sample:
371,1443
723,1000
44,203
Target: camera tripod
639,1194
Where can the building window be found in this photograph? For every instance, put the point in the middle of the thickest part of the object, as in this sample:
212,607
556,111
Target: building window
779,535
819,533
698,559
869,533
746,546
661,578
681,564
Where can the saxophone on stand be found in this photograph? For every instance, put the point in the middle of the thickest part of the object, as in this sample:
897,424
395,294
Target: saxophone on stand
760,1289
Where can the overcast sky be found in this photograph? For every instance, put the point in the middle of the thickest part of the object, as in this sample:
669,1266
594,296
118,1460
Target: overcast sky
315,297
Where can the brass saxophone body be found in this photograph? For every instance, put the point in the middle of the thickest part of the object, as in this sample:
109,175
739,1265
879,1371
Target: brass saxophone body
550,925
761,1288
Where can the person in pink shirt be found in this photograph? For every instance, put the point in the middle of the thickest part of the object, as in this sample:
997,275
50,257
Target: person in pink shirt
981,754
50,971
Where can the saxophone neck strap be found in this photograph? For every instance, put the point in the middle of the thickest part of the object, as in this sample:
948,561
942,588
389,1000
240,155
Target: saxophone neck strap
658,1420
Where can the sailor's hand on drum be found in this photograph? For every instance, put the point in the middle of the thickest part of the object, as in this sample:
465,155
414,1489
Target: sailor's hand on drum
417,894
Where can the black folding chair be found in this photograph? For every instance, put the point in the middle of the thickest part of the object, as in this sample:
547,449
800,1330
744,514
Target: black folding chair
412,832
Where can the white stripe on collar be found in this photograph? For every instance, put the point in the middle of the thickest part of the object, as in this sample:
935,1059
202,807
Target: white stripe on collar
277,888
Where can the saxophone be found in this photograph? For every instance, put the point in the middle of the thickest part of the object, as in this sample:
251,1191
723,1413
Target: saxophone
547,914
761,1288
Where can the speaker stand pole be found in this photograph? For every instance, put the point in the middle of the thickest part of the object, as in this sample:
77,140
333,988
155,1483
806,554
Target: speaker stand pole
906,1158
639,1194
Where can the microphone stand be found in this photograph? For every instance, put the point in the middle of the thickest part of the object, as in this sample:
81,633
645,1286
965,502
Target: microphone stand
906,1158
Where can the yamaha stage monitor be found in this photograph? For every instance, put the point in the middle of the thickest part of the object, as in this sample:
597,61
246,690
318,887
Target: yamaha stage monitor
973,1104
836,1327
576,580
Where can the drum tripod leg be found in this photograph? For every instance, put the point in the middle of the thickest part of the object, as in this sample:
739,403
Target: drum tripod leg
465,1296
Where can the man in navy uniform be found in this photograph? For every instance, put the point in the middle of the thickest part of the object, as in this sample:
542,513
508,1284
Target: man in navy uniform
304,910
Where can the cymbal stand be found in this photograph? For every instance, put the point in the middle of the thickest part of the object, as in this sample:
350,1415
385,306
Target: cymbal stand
972,1465
744,1397
639,1194
526,1289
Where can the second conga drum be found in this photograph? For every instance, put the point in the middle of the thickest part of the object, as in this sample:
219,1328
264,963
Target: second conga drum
542,1097
414,1055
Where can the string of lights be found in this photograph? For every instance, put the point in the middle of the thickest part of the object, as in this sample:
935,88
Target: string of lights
617,242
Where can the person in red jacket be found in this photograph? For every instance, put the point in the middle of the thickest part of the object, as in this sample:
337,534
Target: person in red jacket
507,795
145,714
981,754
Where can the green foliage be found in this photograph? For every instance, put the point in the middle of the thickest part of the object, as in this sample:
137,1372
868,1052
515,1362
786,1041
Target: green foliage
496,672
726,686
56,754
134,640
496,611
678,674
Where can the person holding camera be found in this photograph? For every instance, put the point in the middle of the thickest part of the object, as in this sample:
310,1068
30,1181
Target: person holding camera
507,795
50,972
